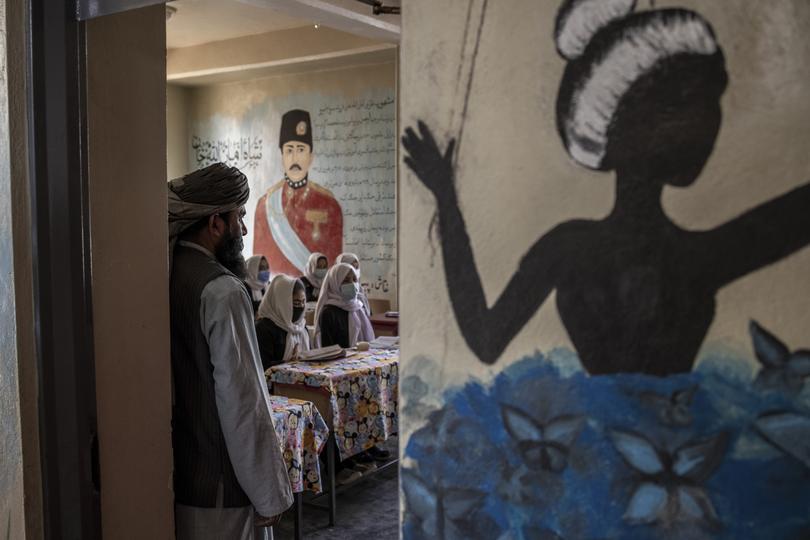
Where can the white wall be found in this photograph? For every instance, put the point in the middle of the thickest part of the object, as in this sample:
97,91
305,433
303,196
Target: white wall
177,118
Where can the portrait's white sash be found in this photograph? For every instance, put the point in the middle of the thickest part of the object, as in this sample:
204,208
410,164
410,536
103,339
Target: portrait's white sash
286,238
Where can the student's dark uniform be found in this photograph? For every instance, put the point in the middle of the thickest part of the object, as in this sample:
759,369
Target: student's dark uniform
334,327
272,341
310,290
255,303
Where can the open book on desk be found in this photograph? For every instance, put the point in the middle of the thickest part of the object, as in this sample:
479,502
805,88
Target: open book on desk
332,352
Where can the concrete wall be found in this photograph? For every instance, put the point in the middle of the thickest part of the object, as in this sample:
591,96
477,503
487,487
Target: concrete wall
11,466
512,318
23,278
20,478
127,192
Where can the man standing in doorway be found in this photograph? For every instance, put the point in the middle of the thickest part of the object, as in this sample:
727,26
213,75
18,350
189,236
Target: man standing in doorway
227,460
297,217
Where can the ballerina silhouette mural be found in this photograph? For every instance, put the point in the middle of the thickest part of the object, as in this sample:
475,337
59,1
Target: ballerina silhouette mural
640,97
657,446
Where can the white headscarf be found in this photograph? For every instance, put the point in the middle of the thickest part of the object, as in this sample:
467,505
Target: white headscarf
252,278
277,306
359,324
312,265
351,258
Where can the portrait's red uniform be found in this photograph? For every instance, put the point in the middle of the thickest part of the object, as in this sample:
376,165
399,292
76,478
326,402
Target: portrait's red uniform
313,214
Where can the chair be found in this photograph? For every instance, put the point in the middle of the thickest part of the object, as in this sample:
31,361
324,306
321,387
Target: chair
379,305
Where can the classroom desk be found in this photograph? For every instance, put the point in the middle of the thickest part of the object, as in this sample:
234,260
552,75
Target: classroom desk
384,326
357,397
302,433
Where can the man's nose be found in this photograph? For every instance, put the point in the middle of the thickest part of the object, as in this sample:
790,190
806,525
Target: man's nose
243,227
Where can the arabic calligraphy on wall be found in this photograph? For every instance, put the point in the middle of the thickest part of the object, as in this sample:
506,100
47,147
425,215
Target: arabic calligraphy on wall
356,161
242,152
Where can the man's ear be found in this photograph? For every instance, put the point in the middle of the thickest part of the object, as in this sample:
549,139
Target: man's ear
216,225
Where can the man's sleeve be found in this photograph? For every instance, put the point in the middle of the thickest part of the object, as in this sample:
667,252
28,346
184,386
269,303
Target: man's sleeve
241,395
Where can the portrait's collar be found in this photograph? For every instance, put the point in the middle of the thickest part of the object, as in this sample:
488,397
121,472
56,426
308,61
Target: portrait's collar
296,185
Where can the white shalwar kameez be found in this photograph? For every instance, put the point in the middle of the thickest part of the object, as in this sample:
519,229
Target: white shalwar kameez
245,414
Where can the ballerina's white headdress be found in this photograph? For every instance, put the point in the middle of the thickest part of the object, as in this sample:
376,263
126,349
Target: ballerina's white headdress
610,49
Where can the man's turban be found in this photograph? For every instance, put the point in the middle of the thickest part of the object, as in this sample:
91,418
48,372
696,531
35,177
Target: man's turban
215,189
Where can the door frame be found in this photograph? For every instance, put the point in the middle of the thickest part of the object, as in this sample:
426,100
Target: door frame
55,60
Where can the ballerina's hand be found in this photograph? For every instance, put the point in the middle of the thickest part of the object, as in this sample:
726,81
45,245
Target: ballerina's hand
426,160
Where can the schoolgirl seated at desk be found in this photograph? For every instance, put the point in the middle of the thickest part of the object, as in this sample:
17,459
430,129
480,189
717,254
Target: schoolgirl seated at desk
280,329
339,315
317,266
354,260
258,274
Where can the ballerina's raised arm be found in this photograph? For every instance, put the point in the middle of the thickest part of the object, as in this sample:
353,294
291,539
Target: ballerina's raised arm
487,330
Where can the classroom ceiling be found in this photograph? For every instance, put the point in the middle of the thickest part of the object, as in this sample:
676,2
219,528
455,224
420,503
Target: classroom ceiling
195,22
203,21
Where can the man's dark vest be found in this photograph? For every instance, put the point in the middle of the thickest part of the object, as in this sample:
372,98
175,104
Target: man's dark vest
200,455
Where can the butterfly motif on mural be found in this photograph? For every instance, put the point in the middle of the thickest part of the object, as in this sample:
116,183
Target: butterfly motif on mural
542,446
442,513
787,431
672,410
670,487
781,369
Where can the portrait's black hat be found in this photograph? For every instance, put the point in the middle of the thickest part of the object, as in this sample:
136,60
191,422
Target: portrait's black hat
295,126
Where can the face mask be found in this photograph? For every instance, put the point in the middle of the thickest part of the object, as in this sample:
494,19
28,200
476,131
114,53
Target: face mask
348,291
264,276
297,312
320,273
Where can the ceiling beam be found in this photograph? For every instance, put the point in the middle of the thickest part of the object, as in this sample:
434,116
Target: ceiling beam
336,15
377,54
90,9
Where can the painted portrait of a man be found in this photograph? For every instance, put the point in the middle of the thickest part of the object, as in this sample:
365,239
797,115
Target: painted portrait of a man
296,216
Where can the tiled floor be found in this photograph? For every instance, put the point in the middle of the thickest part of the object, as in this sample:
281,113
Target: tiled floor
367,510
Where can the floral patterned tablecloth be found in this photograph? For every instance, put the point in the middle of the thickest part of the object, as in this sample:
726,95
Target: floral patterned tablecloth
302,432
362,391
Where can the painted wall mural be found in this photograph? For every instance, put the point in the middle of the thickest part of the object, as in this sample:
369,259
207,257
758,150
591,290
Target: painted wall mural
297,216
320,156
645,425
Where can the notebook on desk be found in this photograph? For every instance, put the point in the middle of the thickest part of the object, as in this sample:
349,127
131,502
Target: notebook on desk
385,342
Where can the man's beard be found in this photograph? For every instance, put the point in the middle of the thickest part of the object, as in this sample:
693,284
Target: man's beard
229,255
